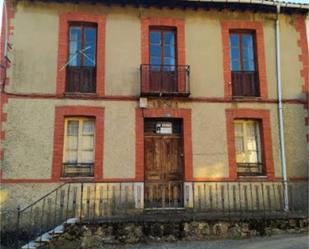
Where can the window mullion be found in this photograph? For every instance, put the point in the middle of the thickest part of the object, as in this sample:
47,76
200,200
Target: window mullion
241,52
81,44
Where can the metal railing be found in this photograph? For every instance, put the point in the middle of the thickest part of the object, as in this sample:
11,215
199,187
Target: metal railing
165,80
95,201
78,170
164,195
245,197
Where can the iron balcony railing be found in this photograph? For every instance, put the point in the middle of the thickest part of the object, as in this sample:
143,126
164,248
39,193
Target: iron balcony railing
78,170
165,80
250,169
80,80
245,84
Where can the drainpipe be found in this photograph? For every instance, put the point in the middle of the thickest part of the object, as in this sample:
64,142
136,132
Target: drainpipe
280,107
3,60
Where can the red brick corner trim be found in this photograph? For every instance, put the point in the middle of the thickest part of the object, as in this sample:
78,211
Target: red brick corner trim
185,114
87,111
266,140
226,26
302,42
64,19
4,80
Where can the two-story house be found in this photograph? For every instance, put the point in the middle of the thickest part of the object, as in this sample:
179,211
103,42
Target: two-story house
169,104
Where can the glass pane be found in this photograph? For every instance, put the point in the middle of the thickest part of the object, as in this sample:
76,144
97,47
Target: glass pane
75,43
89,50
87,157
251,129
234,40
235,54
71,157
169,61
169,51
235,65
252,157
238,129
248,65
247,40
251,144
72,129
90,34
155,60
240,157
239,144
75,33
72,142
169,37
89,60
155,37
88,127
88,142
74,60
155,50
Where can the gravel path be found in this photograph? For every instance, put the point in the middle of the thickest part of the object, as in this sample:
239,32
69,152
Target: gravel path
274,242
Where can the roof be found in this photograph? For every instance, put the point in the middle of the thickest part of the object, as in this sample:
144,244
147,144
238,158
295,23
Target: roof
269,6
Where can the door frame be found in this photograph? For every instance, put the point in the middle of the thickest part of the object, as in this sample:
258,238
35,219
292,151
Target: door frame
168,186
185,115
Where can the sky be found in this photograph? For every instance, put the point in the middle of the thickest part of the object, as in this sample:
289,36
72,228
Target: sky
294,1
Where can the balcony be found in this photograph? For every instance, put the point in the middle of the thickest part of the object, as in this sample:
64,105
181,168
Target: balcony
80,80
165,80
245,84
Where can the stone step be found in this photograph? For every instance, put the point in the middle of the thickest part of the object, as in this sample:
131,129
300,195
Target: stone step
71,221
31,245
57,230
45,237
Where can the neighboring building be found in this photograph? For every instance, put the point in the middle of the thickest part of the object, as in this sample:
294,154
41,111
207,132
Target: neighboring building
159,98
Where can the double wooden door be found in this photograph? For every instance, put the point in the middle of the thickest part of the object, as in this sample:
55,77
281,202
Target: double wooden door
163,170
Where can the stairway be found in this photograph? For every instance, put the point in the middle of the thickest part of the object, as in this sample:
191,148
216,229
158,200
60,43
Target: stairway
48,236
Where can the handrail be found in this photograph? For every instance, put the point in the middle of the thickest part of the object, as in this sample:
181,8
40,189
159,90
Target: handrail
32,204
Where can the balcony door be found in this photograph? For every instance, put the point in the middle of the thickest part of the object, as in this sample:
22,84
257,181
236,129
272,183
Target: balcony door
163,74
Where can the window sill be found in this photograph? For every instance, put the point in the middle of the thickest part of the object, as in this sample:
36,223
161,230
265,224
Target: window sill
77,179
246,98
79,94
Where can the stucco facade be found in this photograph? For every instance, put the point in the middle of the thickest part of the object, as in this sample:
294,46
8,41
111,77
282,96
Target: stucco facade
30,97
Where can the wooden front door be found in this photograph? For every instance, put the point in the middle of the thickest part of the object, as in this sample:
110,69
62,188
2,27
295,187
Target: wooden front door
163,148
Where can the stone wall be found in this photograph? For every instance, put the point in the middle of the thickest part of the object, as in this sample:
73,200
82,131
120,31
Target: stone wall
97,235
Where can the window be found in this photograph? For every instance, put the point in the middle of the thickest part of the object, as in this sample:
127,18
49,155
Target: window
81,64
243,64
79,143
163,70
248,147
162,46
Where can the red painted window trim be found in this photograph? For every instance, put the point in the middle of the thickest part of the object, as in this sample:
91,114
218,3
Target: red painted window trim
256,26
64,19
266,140
185,114
78,111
